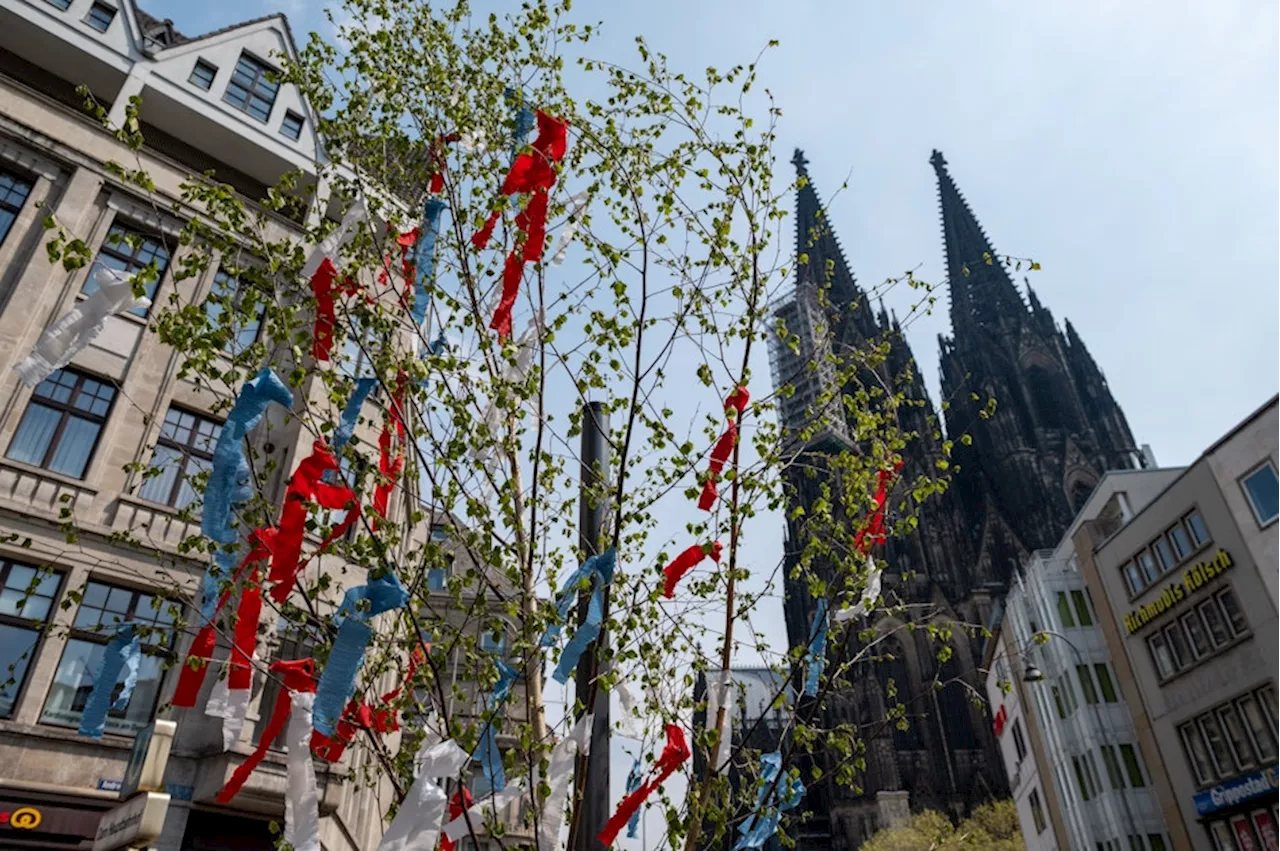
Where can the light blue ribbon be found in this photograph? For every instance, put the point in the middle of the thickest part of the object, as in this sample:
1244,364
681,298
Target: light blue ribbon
525,120
587,632
633,783
123,653
231,480
600,566
817,649
486,753
338,681
763,824
351,413
424,258
507,677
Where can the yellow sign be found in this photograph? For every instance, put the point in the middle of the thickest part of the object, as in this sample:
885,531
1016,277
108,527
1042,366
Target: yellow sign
25,818
1192,581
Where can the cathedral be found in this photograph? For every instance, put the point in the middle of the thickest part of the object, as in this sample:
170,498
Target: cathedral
1025,468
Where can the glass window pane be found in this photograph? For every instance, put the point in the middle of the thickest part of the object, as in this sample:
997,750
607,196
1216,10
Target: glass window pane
1161,656
1177,645
1156,842
1262,732
17,648
1231,608
1211,615
1148,564
35,433
1197,638
1217,742
1241,749
1086,684
1198,753
1082,608
73,683
436,579
1131,765
1064,610
1181,542
159,488
1113,767
1195,525
1263,492
1104,682
75,447
1133,578
1164,555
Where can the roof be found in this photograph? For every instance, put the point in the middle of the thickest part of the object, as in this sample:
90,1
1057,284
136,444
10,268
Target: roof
151,25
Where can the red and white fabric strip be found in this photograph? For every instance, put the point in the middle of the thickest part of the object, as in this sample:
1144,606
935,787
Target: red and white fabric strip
734,405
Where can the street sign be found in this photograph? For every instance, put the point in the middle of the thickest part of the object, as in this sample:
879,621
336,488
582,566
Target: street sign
137,821
145,771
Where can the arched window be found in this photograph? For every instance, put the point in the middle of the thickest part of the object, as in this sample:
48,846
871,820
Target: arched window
1051,395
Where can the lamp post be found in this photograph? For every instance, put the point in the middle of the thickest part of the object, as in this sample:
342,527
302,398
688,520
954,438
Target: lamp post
1033,674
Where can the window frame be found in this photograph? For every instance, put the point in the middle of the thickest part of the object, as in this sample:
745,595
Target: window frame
260,69
1203,609
194,78
1037,811
115,246
1268,466
186,453
1173,634
1085,675
1106,684
1111,762
1267,748
1019,742
1203,722
1228,593
1084,616
1132,575
65,411
225,285
1189,622
1226,715
93,21
1132,765
40,627
1183,551
292,118
1064,611
1197,540
1166,562
1190,732
1158,636
1147,565
7,205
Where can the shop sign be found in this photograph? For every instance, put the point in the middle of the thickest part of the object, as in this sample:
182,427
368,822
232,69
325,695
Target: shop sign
1244,834
1236,792
1266,829
137,821
147,760
1192,581
21,818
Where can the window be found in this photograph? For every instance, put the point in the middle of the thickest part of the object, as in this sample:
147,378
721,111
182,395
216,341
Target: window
1241,748
1019,744
1160,654
1197,753
1082,608
293,642
59,430
184,450
493,642
1263,493
13,194
357,350
1068,693
1135,842
61,4
1057,699
1262,733
438,577
202,75
1148,564
1104,682
131,251
1195,525
1130,758
1164,555
1113,767
1133,578
439,534
291,126
1092,767
1177,645
1268,697
100,16
1086,684
1080,778
1156,842
1064,610
1231,608
1037,811
1217,742
1197,638
102,607
1181,543
228,291
1214,623
26,598
250,90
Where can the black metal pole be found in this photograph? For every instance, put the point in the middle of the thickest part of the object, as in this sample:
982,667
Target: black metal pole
592,505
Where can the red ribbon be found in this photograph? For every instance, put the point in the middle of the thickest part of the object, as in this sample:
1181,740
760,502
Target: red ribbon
298,675
196,665
532,172
734,405
306,486
390,466
438,161
460,803
685,562
322,287
359,715
873,533
672,757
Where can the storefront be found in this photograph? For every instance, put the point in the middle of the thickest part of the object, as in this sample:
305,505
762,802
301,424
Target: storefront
47,824
1241,815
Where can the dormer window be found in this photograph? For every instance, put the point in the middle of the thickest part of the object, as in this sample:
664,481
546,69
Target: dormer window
64,5
100,16
202,75
292,125
250,90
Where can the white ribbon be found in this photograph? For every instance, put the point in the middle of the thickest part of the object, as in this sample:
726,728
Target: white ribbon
577,206
496,803
231,707
869,596
329,246
416,826
720,692
559,776
302,802
630,725
79,326
473,142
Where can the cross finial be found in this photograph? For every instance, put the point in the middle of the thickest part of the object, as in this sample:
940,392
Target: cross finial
936,160
800,162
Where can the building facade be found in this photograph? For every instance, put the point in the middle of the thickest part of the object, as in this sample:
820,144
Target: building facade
1187,592
1030,467
72,449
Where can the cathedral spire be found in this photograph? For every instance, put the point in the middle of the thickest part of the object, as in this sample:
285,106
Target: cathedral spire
981,291
820,259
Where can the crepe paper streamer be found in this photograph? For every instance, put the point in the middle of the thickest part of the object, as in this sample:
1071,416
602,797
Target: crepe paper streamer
486,753
781,796
685,562
523,125
531,172
324,290
331,244
122,656
630,724
338,680
351,413
79,326
390,465
359,715
438,162
817,648
577,206
721,693
416,826
307,485
424,257
298,675
302,800
587,632
734,405
869,596
633,783
873,533
230,706
507,677
494,805
601,566
673,756
560,766
458,805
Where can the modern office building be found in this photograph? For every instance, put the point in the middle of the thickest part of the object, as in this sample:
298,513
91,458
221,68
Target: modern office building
1185,586
1076,765
66,446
